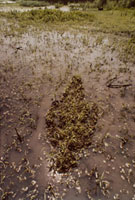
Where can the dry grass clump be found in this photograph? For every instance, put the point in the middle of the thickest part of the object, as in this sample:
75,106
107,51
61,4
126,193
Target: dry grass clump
70,123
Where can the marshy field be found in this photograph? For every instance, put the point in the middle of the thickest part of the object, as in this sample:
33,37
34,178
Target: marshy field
67,102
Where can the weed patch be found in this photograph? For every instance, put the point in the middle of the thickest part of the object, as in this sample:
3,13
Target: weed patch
49,16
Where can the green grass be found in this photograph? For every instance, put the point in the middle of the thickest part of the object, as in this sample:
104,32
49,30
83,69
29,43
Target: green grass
45,16
114,21
41,19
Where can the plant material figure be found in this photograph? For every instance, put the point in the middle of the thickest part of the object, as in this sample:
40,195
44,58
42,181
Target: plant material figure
70,125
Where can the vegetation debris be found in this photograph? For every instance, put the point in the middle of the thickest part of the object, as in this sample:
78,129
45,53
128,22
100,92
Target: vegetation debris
70,123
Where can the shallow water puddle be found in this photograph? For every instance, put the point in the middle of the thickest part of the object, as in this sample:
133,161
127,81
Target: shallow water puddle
34,76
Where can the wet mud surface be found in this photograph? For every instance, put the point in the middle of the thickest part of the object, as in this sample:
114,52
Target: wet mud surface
35,68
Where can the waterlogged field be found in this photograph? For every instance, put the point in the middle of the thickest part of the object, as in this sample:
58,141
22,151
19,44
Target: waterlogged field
67,105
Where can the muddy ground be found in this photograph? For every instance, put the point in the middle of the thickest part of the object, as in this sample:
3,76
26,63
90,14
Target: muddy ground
34,70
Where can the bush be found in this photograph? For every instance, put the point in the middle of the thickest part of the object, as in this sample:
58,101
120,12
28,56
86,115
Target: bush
130,3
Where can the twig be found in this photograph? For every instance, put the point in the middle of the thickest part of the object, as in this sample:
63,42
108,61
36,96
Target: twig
18,48
110,84
119,86
18,136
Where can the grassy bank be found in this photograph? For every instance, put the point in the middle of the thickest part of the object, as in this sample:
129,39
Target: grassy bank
114,21
38,17
44,19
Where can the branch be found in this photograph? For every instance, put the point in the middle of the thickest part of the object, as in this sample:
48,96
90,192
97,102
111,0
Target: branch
110,84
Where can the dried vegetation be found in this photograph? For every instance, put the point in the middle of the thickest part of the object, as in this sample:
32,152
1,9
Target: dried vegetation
71,123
